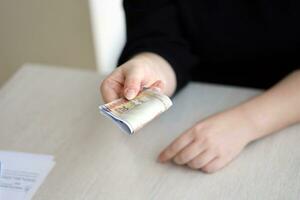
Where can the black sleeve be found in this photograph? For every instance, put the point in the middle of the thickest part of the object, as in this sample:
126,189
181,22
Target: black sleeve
155,26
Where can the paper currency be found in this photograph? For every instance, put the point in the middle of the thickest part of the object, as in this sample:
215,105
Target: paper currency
132,115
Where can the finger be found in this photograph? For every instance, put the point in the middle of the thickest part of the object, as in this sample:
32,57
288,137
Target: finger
201,160
110,90
176,146
189,152
112,87
158,85
132,85
214,165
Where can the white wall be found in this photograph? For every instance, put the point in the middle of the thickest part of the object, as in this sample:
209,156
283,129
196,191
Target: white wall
45,31
108,23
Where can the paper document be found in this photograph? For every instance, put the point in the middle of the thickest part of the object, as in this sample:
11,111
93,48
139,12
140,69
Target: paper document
132,115
22,174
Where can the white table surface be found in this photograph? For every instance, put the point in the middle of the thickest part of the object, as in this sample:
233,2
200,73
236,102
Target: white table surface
55,111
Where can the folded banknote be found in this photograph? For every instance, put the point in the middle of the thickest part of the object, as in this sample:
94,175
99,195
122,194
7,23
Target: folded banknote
132,115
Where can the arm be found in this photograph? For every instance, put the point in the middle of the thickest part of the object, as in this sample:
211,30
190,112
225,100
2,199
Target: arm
155,26
156,51
275,109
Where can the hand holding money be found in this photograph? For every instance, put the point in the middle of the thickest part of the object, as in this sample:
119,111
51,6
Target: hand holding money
132,115
121,87
143,70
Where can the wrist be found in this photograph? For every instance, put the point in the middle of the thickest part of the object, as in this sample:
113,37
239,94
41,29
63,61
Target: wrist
250,131
276,108
258,117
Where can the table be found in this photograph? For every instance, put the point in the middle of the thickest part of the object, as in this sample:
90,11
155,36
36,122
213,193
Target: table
53,110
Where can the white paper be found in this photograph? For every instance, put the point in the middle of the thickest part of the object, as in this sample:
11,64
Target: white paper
22,174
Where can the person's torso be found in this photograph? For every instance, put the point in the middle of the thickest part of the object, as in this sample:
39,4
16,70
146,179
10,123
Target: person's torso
251,43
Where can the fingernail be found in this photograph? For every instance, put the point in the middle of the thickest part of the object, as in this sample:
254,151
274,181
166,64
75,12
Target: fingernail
130,94
157,89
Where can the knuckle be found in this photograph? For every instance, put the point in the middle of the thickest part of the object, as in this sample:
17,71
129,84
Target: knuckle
198,127
202,126
209,140
173,147
187,137
184,156
208,169
199,137
179,159
104,83
194,164
195,134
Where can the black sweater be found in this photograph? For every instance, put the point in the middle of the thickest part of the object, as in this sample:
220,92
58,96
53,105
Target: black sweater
252,43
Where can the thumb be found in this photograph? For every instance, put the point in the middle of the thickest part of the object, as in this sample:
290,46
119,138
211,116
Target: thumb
132,85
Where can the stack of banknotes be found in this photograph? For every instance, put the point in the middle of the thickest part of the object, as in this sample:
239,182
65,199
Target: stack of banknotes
132,115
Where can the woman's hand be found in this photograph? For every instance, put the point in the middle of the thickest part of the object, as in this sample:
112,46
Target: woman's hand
214,142
143,70
211,144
